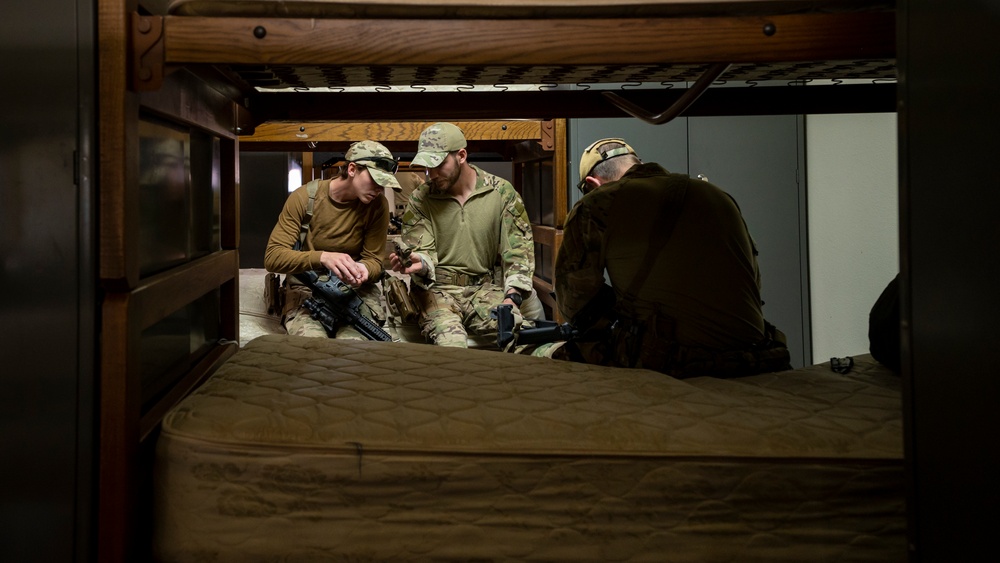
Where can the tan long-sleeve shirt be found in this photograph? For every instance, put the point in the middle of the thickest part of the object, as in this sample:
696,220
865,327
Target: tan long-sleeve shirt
354,228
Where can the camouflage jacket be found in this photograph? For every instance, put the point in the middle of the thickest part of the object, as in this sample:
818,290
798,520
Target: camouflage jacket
490,229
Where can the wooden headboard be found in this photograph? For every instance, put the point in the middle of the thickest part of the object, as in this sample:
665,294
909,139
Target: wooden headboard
184,83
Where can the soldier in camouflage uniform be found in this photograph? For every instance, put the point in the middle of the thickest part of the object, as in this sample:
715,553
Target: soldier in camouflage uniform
346,235
683,270
458,225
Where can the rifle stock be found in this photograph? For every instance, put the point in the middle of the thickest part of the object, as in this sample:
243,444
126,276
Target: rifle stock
334,301
595,321
543,331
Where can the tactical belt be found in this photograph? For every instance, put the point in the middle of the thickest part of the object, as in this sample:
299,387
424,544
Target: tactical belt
652,345
454,278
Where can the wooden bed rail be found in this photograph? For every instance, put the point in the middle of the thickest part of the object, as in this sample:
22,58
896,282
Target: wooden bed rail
406,131
160,41
829,36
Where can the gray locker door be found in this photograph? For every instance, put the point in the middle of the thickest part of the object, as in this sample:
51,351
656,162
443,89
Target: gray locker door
756,159
759,160
48,273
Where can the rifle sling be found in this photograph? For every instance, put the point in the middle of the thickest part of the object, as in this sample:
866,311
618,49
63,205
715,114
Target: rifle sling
311,188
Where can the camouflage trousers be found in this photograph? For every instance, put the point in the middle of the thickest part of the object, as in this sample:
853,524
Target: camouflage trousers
299,322
449,313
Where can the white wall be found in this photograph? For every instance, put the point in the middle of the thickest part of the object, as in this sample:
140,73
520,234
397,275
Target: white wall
853,208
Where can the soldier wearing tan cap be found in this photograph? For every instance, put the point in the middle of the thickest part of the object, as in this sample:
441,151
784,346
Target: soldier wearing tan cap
685,284
459,225
340,225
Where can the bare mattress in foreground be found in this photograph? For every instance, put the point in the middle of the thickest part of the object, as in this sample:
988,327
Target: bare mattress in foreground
302,449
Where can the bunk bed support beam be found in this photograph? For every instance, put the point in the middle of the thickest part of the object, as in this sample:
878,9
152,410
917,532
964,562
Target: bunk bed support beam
795,37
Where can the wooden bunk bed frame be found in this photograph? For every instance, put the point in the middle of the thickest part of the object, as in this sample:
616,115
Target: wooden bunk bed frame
199,72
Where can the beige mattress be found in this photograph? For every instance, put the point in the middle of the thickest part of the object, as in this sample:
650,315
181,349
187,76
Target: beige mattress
302,449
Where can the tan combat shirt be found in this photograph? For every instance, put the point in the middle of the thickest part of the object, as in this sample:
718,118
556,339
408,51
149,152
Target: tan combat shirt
354,228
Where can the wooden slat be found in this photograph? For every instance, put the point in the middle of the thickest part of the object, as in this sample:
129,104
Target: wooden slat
119,429
396,131
547,235
560,174
799,37
162,294
118,152
184,97
229,160
544,291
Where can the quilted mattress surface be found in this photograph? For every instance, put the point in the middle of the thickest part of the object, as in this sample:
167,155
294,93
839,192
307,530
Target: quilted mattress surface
302,449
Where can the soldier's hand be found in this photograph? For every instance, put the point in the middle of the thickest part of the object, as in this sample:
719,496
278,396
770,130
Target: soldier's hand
344,267
398,264
358,280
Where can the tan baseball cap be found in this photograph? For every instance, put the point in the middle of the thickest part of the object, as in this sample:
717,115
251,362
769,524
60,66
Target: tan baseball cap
592,157
436,142
378,160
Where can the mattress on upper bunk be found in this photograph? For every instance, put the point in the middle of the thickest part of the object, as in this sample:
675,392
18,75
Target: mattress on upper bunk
306,449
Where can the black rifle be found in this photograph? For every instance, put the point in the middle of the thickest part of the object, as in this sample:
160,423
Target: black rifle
597,322
334,302
543,331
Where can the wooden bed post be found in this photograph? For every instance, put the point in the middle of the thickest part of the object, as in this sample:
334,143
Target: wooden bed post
134,301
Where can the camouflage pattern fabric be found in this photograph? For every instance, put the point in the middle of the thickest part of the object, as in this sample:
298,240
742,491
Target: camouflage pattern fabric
449,313
436,142
494,207
299,322
460,242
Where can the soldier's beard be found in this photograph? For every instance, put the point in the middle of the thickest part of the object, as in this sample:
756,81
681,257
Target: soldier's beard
442,184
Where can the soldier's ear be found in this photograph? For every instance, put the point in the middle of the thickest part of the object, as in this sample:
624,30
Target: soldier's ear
462,155
591,183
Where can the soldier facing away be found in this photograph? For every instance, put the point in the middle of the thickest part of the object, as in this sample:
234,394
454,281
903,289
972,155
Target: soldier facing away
685,284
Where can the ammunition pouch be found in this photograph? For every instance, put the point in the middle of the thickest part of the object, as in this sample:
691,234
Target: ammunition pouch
397,297
293,297
274,295
285,297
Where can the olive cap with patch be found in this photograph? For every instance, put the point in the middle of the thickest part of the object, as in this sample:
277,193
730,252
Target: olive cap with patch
436,142
378,160
592,156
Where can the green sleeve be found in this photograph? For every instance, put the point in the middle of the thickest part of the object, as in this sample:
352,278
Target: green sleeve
517,245
580,264
417,233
